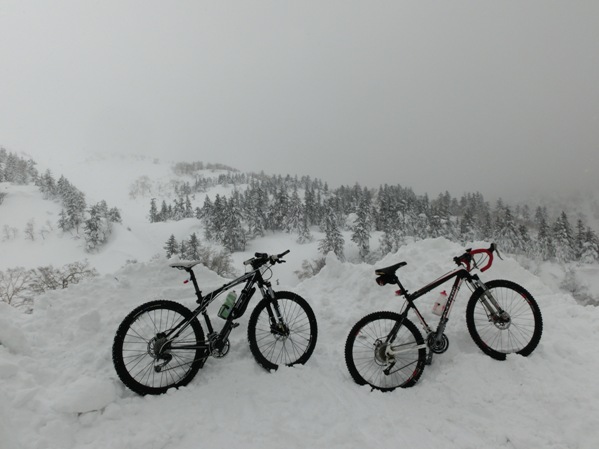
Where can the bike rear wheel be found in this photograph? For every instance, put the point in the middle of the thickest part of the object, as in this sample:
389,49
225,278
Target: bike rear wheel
288,339
385,362
149,363
520,335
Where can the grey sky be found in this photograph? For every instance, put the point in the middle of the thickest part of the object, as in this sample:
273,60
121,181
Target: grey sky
498,97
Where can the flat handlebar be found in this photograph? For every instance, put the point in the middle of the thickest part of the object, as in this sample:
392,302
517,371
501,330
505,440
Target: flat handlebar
260,259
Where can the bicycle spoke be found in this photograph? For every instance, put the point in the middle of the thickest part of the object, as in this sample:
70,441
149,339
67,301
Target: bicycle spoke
372,361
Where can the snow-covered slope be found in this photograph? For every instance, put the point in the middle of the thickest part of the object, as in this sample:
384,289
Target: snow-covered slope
58,388
101,177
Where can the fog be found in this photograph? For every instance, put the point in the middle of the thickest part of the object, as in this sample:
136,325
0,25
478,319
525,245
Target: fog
496,97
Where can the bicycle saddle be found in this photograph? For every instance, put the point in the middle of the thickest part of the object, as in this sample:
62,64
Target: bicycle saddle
389,270
184,264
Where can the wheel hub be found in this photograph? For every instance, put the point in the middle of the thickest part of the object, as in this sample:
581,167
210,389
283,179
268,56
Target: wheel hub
502,321
157,346
280,331
380,353
157,349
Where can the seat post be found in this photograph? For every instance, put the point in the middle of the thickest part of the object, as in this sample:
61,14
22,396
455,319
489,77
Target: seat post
195,284
401,287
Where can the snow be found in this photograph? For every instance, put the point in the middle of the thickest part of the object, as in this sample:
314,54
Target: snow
59,390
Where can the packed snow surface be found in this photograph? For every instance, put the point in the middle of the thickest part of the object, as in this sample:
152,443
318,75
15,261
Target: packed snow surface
59,390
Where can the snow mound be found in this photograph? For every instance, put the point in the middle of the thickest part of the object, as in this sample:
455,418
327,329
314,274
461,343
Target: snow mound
61,392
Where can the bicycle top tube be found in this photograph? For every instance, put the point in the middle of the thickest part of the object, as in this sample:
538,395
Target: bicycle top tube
466,263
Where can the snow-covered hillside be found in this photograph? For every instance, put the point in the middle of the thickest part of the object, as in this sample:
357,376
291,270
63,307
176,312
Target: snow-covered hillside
59,389
100,177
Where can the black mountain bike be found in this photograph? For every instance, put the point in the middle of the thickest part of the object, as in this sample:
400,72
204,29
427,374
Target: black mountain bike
386,350
161,344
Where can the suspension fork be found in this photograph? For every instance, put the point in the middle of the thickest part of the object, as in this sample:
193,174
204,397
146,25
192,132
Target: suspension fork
273,309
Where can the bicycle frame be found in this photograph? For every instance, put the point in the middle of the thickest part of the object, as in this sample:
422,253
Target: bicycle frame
214,340
460,274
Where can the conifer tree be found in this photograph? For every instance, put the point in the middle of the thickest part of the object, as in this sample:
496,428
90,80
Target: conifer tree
193,248
544,247
75,207
294,219
563,239
183,250
279,210
233,236
361,229
153,211
97,227
468,226
188,207
114,215
304,234
310,205
507,234
164,214
590,247
579,239
171,247
333,239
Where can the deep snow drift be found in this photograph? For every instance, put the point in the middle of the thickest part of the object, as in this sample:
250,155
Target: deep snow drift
58,388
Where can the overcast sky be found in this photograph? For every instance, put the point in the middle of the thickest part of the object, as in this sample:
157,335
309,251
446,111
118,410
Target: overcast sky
497,97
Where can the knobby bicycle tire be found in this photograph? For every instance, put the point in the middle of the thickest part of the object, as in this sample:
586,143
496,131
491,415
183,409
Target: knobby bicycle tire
292,345
134,347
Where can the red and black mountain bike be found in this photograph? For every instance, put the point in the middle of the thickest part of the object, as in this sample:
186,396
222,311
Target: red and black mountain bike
386,350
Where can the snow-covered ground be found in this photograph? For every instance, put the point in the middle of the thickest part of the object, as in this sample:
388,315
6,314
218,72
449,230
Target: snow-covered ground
59,390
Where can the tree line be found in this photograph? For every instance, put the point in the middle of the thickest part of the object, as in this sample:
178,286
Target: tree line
261,204
76,216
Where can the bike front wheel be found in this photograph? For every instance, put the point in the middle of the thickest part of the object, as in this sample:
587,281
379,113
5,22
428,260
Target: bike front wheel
380,354
146,359
283,331
519,334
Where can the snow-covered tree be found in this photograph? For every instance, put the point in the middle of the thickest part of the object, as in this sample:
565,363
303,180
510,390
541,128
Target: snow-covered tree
233,236
193,247
333,239
97,227
590,247
295,213
507,235
361,228
153,211
563,239
171,247
304,235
